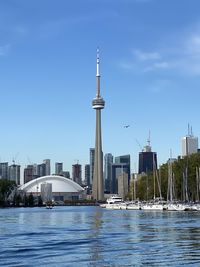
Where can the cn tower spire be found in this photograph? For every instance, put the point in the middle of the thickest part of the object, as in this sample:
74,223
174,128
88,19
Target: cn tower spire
98,104
98,74
98,65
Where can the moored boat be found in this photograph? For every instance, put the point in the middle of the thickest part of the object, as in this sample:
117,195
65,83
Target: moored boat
175,207
134,205
152,206
114,202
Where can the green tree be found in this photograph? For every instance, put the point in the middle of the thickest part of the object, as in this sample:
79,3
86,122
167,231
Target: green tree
18,200
184,177
6,188
30,200
25,200
40,202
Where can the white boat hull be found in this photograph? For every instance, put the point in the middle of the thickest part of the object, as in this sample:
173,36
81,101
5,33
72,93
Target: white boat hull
152,207
175,207
133,207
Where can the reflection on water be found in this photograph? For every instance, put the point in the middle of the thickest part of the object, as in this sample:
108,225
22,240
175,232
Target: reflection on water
91,236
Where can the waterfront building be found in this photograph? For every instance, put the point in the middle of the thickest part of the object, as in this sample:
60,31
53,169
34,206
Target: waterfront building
58,168
4,170
126,161
92,150
14,173
123,185
147,160
108,161
77,173
98,103
117,170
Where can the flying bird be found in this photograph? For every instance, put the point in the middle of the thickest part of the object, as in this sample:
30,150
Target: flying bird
126,126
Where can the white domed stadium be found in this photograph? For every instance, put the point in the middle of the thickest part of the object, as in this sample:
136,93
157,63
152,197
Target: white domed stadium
61,188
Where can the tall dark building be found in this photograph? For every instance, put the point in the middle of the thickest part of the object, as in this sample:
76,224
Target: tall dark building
92,150
87,176
108,160
77,173
147,160
29,173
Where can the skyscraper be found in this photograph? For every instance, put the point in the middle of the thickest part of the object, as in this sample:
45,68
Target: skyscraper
126,161
48,166
123,185
189,145
87,175
147,160
98,104
41,169
29,172
58,168
92,150
4,170
108,159
118,170
77,173
14,173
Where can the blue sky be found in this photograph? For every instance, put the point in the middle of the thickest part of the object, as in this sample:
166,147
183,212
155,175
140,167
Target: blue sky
150,77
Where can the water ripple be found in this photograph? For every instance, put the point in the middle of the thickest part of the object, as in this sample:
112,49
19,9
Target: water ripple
90,236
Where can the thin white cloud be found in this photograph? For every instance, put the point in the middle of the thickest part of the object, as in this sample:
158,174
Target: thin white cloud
180,55
162,65
145,56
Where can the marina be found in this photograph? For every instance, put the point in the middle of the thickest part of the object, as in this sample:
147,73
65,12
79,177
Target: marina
116,203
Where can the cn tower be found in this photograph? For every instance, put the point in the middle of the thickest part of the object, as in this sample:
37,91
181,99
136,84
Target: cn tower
98,104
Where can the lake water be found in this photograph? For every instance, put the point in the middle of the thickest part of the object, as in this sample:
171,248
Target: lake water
91,236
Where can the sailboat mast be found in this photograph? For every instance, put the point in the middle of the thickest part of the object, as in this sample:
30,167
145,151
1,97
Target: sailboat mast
197,183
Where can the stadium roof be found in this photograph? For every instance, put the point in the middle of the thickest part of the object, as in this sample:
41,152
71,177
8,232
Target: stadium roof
59,184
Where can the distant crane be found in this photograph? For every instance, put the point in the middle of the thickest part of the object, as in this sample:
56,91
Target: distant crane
14,158
139,144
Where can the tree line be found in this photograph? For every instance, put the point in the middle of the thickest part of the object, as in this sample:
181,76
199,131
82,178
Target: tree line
185,174
10,196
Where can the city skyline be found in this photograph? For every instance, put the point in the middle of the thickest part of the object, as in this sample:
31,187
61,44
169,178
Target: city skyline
150,77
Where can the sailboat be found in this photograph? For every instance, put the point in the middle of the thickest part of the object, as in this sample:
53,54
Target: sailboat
134,204
171,204
156,204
